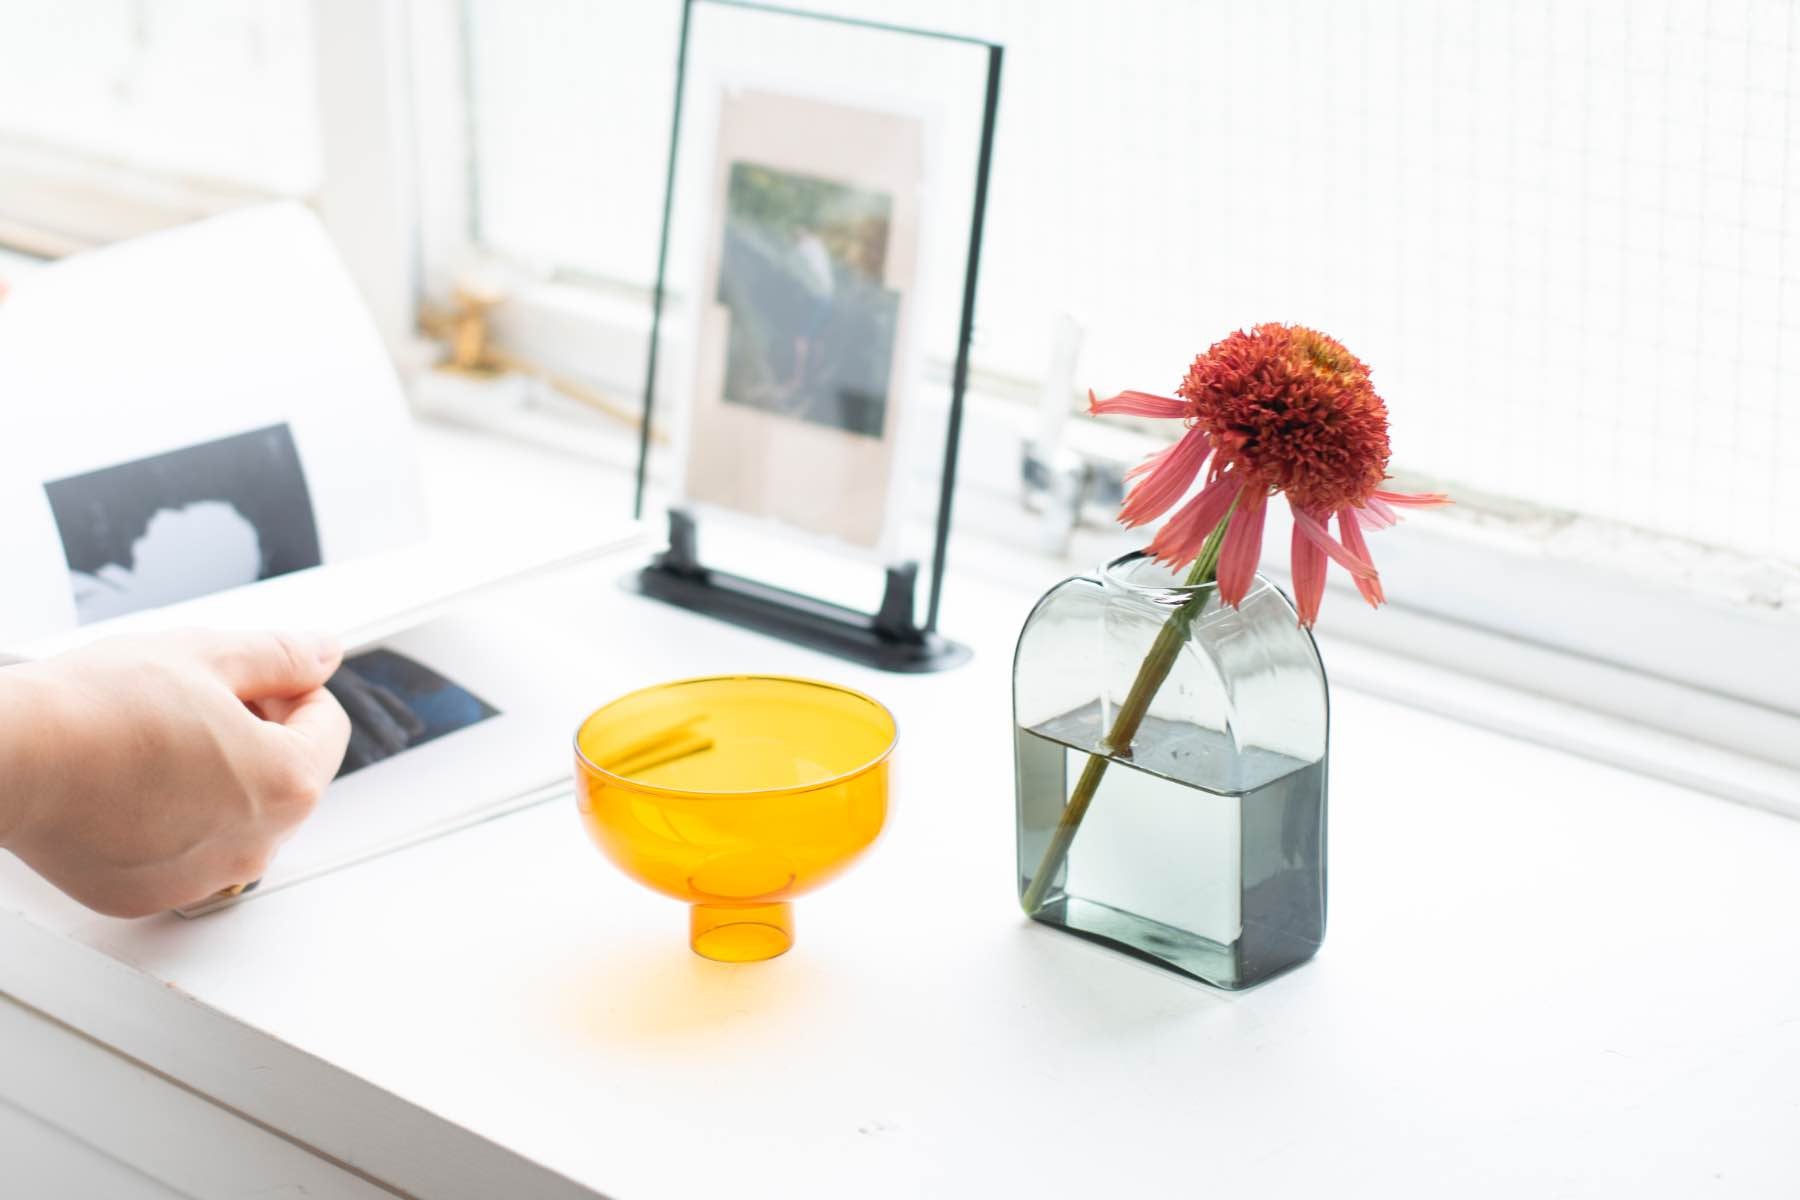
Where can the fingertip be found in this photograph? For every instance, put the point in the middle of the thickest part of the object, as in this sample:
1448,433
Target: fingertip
260,665
323,726
326,648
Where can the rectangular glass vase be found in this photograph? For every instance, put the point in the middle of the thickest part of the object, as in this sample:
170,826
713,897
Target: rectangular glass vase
1227,887
1201,846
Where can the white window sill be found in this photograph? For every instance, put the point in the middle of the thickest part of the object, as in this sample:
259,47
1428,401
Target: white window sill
1656,727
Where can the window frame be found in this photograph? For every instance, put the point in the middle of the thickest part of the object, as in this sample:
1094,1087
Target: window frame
60,201
1490,593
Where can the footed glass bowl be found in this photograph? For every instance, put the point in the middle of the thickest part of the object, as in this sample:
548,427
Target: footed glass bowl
735,794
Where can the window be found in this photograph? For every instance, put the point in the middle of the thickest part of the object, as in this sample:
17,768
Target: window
122,116
1563,235
568,123
1561,232
119,115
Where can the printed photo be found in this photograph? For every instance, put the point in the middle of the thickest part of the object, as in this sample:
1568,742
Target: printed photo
810,231
396,703
811,326
185,523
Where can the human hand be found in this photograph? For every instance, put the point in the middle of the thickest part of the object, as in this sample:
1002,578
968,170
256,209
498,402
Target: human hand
146,773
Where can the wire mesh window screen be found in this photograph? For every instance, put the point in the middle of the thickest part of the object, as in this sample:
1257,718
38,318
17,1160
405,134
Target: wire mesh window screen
1561,232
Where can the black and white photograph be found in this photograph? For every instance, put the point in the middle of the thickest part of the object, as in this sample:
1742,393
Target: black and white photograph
812,327
396,703
185,523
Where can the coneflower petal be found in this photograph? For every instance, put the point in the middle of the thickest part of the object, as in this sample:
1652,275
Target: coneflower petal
1243,544
1151,462
1309,576
1351,532
1415,500
1358,565
1374,514
1138,404
1170,476
1184,535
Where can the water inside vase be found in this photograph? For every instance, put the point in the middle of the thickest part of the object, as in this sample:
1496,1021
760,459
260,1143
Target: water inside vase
1222,879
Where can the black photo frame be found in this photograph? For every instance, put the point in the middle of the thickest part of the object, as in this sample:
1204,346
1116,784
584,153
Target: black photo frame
891,635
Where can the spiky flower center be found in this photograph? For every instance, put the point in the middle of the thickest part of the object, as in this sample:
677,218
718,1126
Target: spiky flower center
1293,410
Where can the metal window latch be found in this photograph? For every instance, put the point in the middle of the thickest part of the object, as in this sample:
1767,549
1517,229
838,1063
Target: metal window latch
1071,469
1066,485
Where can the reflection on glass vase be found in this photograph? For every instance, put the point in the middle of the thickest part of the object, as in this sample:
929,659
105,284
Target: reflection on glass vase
1201,844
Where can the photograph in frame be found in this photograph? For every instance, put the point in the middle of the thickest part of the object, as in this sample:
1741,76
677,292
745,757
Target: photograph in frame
809,273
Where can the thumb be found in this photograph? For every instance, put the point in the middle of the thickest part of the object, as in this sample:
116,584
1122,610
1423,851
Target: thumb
259,666
317,730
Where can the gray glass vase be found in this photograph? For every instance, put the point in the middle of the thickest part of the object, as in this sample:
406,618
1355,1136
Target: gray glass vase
1202,846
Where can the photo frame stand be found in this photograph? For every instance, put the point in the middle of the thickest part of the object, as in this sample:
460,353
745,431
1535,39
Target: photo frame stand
889,639
892,638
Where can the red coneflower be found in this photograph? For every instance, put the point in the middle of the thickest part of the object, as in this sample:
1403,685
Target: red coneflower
1278,408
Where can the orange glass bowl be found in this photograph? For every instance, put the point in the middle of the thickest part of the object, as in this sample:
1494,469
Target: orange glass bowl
736,794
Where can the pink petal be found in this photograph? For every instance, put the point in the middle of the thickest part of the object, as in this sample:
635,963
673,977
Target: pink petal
1351,532
1151,462
1418,500
1375,515
1309,526
1184,535
1243,544
1309,577
1138,404
1169,478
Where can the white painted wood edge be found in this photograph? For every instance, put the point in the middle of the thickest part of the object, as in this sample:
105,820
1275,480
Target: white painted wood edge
288,1092
160,1129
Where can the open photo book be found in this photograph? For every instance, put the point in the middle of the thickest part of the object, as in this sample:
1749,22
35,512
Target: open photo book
203,428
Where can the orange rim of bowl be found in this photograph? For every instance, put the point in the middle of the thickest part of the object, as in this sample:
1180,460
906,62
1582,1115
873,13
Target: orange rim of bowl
842,776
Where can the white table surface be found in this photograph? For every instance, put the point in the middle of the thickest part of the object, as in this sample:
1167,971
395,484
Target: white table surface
1542,977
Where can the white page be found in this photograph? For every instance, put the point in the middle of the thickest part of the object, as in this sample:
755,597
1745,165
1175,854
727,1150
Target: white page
246,327
372,598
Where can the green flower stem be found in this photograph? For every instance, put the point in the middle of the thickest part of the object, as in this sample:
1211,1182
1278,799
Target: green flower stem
1164,653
